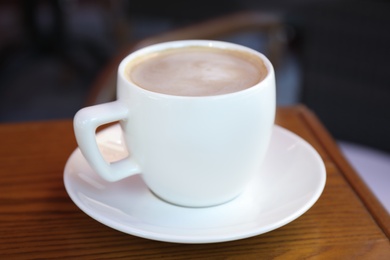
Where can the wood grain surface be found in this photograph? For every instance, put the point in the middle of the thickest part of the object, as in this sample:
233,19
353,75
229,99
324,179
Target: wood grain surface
39,221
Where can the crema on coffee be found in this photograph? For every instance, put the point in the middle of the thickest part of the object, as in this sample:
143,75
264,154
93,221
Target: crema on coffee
196,71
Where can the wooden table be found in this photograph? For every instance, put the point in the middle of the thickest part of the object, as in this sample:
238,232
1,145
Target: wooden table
38,219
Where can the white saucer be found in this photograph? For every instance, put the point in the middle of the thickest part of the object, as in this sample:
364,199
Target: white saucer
289,183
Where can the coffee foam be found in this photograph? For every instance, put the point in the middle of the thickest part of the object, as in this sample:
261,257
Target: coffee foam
197,71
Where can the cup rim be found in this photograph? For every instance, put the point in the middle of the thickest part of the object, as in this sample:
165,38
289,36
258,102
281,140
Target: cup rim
189,43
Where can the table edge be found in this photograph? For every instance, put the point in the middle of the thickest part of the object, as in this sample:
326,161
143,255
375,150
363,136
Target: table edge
370,201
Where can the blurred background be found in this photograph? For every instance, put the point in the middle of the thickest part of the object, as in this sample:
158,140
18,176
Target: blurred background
333,56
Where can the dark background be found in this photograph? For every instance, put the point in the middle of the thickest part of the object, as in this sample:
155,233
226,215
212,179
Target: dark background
52,51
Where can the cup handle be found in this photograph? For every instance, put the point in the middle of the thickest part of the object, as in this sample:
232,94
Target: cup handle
85,123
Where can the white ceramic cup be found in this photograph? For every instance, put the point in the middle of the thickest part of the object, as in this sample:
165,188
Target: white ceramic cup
191,151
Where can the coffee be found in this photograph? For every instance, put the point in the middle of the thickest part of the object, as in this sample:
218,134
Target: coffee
196,71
